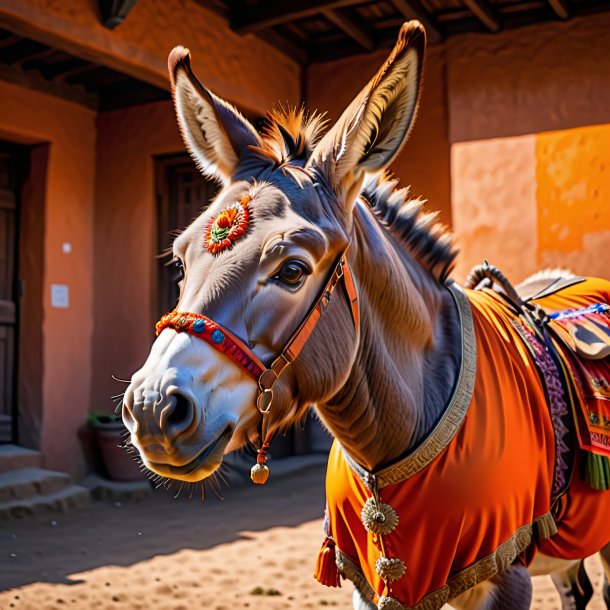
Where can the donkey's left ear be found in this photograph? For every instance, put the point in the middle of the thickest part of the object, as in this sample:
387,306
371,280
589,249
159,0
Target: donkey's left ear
373,128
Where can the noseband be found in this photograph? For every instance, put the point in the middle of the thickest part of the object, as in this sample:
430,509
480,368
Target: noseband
222,340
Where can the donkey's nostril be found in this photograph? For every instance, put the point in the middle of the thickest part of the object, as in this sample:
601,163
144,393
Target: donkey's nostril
181,412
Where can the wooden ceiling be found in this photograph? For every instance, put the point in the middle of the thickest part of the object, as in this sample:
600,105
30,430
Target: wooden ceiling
314,31
32,64
310,31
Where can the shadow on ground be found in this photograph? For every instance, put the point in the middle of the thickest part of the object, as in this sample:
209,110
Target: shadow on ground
50,548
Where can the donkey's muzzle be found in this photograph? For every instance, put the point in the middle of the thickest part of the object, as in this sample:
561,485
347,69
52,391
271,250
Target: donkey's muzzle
160,419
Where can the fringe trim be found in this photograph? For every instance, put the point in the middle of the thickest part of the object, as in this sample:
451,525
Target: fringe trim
597,471
498,561
545,527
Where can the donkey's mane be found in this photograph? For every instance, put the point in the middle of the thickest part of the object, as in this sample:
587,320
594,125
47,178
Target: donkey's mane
290,135
288,138
430,242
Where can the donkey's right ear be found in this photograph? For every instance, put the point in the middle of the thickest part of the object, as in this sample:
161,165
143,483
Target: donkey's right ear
214,132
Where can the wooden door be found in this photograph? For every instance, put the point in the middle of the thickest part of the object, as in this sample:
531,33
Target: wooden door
10,171
182,193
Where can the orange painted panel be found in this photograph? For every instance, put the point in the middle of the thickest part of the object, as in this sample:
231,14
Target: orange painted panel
573,197
494,205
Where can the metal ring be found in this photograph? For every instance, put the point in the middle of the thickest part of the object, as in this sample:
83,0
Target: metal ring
259,401
263,378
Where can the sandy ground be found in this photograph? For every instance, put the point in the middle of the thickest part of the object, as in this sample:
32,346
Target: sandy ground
256,550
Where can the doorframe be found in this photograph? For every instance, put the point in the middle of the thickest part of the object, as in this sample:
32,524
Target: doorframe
20,159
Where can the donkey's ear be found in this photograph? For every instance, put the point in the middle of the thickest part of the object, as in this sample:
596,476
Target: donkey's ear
372,129
214,132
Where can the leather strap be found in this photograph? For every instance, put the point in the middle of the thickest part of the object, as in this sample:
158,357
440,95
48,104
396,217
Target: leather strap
224,341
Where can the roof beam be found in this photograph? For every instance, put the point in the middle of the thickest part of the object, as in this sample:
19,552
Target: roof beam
274,12
485,14
561,8
412,9
354,27
286,46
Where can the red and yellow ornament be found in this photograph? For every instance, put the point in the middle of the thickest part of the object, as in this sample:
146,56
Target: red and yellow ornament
229,225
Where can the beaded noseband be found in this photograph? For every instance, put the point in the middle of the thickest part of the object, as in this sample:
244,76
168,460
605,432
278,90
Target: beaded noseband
222,340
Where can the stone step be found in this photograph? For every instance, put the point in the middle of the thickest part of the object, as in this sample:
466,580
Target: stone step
6,428
13,457
29,482
73,497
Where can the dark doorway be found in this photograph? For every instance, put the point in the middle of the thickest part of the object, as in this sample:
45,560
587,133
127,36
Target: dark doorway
182,193
13,162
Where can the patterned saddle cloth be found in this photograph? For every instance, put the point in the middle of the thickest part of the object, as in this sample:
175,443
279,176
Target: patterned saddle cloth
583,342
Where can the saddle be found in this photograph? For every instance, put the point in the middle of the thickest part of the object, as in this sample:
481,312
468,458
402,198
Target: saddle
573,346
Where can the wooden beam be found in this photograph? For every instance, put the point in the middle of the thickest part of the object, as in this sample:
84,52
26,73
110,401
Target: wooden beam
485,13
412,9
286,46
561,8
353,26
34,80
273,12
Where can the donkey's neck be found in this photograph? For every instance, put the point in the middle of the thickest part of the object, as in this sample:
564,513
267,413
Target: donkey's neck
408,354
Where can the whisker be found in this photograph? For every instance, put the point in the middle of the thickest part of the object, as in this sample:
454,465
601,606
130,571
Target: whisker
179,490
118,379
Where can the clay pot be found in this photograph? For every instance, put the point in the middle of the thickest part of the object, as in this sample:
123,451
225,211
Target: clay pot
109,430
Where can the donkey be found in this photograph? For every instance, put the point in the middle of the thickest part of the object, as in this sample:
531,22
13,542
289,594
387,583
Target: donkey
322,281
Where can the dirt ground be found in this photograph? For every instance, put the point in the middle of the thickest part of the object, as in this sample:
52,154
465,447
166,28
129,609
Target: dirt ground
256,550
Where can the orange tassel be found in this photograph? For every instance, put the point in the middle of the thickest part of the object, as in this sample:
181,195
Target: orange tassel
327,572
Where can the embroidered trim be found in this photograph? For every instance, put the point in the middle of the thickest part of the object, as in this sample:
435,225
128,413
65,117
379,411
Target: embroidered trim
451,420
556,402
352,572
494,563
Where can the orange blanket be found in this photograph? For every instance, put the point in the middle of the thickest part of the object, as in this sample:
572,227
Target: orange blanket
475,495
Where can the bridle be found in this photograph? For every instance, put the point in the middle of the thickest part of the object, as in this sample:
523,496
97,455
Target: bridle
224,341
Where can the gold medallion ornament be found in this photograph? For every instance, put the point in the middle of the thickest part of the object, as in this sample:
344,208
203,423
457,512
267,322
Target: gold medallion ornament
389,603
390,569
378,517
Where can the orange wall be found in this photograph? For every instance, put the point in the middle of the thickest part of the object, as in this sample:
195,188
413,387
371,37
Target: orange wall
126,240
536,201
244,69
527,202
424,161
30,117
538,78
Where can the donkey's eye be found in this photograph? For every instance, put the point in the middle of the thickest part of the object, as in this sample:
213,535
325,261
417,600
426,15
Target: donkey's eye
178,265
292,272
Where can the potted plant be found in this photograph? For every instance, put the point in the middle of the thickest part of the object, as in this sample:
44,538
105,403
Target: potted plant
109,431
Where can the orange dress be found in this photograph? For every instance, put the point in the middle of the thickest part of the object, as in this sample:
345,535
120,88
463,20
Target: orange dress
476,493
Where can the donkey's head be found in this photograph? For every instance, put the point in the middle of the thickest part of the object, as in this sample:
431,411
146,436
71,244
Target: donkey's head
256,259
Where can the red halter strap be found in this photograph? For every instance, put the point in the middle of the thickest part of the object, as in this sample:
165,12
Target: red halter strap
224,341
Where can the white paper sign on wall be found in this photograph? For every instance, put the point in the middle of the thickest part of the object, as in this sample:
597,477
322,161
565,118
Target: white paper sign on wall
60,296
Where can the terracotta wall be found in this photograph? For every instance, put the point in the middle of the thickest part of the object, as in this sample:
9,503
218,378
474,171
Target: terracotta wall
424,161
126,240
538,200
30,117
244,69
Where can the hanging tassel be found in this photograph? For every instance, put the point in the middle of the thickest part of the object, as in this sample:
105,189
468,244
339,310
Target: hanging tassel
259,473
597,471
327,572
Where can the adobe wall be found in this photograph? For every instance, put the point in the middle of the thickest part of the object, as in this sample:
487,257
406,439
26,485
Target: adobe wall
424,161
243,69
126,240
30,117
542,199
